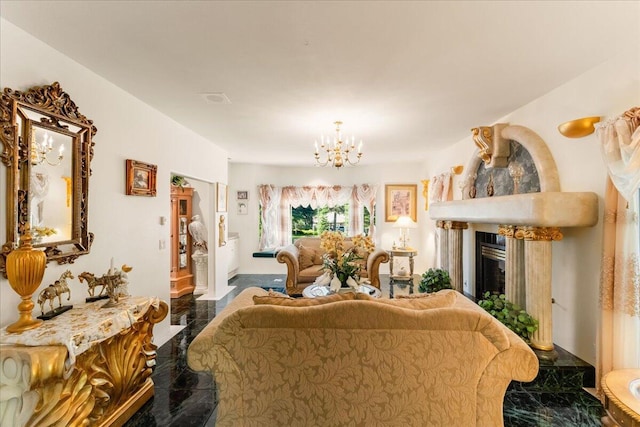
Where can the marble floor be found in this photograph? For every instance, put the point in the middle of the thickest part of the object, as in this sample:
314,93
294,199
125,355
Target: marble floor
185,398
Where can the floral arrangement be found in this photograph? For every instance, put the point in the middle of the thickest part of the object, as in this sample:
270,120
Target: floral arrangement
340,263
41,232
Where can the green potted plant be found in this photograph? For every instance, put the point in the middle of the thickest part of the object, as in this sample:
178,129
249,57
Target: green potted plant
510,314
434,280
178,180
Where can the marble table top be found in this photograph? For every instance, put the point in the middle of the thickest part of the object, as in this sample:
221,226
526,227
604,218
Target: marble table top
84,325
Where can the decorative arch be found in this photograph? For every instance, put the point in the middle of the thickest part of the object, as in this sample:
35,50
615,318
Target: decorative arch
537,148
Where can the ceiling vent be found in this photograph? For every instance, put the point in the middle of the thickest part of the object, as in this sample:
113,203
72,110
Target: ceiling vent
215,98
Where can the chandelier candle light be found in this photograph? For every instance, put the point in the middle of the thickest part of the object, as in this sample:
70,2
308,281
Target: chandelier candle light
40,150
404,223
338,152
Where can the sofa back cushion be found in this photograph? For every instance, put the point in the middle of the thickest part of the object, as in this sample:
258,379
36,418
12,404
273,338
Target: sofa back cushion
420,302
303,302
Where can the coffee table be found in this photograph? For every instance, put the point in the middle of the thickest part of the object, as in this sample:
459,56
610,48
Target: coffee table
314,291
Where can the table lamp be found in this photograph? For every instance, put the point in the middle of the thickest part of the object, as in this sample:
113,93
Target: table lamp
404,223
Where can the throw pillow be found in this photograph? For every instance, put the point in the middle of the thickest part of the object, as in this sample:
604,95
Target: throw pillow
435,300
303,302
306,258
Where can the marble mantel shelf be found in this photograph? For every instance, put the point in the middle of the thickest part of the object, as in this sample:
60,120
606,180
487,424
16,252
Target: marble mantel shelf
547,209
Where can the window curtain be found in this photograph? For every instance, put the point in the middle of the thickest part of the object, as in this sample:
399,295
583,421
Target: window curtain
440,188
363,196
272,231
277,202
619,335
620,142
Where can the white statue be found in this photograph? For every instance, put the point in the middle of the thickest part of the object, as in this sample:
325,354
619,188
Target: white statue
38,189
198,233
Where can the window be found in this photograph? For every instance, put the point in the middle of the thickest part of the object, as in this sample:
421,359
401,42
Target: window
283,220
307,221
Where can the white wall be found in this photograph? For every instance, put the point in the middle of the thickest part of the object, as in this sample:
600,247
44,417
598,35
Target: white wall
248,177
607,90
126,227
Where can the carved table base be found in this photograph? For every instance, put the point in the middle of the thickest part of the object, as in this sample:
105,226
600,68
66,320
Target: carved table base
107,384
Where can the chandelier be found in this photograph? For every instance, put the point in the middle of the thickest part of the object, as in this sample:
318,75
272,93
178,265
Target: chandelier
39,151
338,152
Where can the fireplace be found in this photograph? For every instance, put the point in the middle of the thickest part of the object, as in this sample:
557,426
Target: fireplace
490,263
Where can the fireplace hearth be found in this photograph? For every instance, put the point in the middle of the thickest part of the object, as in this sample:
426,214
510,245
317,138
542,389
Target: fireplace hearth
490,263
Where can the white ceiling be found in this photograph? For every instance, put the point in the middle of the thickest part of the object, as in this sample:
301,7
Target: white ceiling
406,77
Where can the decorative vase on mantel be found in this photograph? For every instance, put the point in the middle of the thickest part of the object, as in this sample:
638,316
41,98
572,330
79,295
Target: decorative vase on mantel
25,269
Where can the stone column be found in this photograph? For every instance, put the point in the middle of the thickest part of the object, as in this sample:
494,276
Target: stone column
537,253
443,245
514,266
454,229
201,262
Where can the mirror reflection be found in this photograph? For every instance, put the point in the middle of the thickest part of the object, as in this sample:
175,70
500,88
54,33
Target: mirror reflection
50,184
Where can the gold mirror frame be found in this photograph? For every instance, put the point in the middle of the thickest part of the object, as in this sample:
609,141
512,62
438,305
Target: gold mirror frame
58,113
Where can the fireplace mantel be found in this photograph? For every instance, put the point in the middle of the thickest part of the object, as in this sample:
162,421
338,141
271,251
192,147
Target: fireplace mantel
546,209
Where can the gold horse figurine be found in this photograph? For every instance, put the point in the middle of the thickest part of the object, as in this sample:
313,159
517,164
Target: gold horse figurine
55,290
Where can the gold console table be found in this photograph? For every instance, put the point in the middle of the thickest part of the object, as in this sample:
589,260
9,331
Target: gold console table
88,366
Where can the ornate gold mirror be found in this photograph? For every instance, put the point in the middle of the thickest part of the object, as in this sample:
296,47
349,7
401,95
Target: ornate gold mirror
47,150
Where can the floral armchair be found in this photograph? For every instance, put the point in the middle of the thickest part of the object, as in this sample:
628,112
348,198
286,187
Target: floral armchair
304,261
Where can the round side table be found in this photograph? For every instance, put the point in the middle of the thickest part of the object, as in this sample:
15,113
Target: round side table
314,291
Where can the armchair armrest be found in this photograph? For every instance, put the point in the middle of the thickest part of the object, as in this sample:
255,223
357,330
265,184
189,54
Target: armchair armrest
289,256
374,260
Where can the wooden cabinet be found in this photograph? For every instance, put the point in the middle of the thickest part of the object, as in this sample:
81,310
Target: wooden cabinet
181,275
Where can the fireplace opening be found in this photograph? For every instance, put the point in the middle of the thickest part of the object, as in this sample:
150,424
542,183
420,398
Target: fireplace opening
490,263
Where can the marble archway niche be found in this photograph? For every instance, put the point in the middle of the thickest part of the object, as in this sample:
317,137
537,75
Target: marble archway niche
530,223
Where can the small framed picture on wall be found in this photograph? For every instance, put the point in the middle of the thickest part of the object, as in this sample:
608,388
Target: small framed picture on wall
242,195
243,209
221,199
141,178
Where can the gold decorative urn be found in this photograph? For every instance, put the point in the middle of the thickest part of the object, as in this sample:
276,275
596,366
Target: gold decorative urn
25,268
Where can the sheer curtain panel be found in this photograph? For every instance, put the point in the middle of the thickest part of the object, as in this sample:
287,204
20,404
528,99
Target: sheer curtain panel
619,335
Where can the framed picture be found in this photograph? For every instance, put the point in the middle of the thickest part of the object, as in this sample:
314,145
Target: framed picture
243,209
242,195
141,178
221,200
400,199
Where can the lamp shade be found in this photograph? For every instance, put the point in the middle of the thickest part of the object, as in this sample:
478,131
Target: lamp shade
405,222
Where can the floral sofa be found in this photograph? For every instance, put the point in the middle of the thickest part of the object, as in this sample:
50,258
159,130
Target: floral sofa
349,359
304,264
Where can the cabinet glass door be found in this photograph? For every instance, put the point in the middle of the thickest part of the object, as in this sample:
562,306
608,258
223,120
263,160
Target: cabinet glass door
182,249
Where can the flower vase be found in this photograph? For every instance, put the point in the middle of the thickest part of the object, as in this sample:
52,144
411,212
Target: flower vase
343,277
